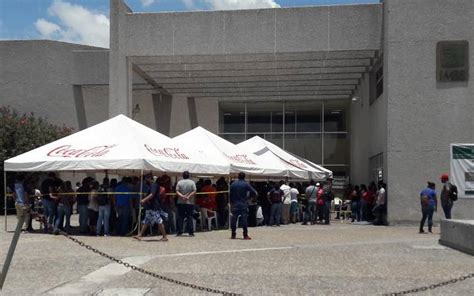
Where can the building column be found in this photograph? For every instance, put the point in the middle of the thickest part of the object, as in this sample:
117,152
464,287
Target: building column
120,66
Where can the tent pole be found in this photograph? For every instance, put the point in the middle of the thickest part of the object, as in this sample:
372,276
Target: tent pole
5,197
228,201
139,222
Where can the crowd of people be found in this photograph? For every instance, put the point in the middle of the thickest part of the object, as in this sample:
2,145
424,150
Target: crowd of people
112,207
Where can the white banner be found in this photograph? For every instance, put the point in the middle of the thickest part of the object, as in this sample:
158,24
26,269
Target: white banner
462,169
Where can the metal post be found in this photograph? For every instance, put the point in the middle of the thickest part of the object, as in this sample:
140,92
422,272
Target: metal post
5,197
139,222
11,250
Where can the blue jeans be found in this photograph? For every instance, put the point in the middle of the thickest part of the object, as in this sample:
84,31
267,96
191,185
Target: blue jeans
104,219
63,211
50,210
83,218
310,212
242,211
447,211
185,211
355,209
275,214
427,212
123,213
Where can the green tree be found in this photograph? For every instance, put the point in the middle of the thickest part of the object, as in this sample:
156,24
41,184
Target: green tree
20,133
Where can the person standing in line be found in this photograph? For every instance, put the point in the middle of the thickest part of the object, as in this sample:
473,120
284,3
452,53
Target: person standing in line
449,194
222,201
186,194
66,200
429,205
123,206
294,203
153,211
380,208
275,196
311,196
82,204
285,212
328,196
48,200
355,204
22,205
104,202
93,207
240,192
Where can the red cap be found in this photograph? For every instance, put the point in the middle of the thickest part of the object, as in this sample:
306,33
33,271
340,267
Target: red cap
444,177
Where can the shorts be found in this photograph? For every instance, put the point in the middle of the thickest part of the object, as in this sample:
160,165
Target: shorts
154,217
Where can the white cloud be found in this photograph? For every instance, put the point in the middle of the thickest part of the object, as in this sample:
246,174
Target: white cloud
146,3
76,24
46,29
234,4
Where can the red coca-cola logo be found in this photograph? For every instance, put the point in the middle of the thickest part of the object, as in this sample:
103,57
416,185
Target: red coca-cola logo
68,151
168,152
298,163
240,158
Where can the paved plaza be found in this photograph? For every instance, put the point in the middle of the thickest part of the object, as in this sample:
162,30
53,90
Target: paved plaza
340,259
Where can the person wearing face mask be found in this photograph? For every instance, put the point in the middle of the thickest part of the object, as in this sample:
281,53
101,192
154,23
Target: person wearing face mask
449,194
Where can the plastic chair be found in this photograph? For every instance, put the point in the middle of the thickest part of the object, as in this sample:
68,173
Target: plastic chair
210,219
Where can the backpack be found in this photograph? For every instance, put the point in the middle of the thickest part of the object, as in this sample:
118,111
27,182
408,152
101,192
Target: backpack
102,197
275,196
453,193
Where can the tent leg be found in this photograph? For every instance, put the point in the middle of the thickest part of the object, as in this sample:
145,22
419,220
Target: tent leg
139,222
5,198
228,203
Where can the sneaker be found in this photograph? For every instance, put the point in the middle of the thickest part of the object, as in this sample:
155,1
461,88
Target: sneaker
191,234
247,237
179,234
421,231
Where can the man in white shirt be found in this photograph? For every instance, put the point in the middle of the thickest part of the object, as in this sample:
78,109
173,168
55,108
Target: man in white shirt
285,217
294,203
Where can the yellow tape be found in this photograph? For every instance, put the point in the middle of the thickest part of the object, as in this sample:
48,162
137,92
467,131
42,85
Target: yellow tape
118,193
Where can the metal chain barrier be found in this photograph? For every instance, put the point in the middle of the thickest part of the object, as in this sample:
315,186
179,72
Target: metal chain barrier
432,286
146,272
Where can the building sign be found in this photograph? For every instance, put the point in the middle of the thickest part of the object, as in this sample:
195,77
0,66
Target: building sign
462,169
452,61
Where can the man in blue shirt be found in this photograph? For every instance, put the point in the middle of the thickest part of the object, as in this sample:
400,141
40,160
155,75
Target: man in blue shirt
429,204
240,192
123,206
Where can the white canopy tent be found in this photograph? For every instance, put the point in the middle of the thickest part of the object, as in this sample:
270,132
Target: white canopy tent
261,146
239,158
119,143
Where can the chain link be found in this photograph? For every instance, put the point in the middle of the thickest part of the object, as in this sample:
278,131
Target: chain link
146,272
432,286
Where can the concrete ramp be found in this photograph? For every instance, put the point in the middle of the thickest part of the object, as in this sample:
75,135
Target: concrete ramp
458,234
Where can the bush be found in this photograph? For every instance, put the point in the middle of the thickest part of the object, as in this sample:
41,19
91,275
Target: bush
22,133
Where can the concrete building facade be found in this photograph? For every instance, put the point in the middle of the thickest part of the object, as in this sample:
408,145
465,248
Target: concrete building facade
370,91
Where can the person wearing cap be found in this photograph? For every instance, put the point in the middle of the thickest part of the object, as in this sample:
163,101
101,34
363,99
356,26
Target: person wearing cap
449,194
429,205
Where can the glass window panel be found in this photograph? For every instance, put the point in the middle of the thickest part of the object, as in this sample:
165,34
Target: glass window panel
290,121
261,135
277,121
304,145
335,113
307,115
258,121
232,117
336,149
234,138
276,139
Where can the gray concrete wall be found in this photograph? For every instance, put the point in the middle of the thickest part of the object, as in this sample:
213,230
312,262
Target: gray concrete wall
368,131
424,116
343,27
36,76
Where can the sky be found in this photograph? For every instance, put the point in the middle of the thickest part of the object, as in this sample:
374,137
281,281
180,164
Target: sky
87,21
